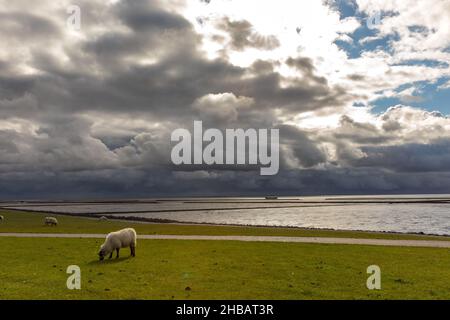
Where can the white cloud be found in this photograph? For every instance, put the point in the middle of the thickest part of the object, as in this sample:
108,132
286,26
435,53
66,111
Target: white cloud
445,85
422,28
221,107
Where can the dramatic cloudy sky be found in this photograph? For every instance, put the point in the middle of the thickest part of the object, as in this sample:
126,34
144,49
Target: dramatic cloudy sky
359,89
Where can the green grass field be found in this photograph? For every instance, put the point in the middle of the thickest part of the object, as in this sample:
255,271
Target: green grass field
164,269
35,268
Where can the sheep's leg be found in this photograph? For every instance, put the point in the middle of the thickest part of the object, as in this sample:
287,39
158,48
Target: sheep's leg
117,250
133,251
110,256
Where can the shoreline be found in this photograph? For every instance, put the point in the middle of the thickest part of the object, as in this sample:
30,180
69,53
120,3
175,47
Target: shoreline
114,217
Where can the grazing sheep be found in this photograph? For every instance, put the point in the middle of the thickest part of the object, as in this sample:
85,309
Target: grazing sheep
50,221
103,218
2,218
117,240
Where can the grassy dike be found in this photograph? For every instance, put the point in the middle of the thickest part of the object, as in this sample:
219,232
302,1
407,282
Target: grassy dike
176,269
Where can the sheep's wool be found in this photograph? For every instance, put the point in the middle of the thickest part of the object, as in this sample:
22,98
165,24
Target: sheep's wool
119,239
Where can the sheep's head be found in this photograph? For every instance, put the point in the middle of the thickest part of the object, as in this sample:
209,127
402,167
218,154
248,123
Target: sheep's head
102,253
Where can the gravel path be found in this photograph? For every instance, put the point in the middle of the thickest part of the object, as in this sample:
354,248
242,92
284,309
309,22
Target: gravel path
376,242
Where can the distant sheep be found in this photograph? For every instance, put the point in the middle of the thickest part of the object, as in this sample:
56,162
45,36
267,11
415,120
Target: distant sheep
103,218
117,240
2,218
50,221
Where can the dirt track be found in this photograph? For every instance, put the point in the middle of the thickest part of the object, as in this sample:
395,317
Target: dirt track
323,240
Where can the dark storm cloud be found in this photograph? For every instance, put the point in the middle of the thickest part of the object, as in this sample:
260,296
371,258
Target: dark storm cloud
432,157
243,36
15,87
356,77
362,133
166,88
305,150
139,183
306,66
172,84
26,26
92,115
141,16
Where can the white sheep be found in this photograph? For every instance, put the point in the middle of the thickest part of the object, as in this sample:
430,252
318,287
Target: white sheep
117,240
2,218
103,218
50,221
